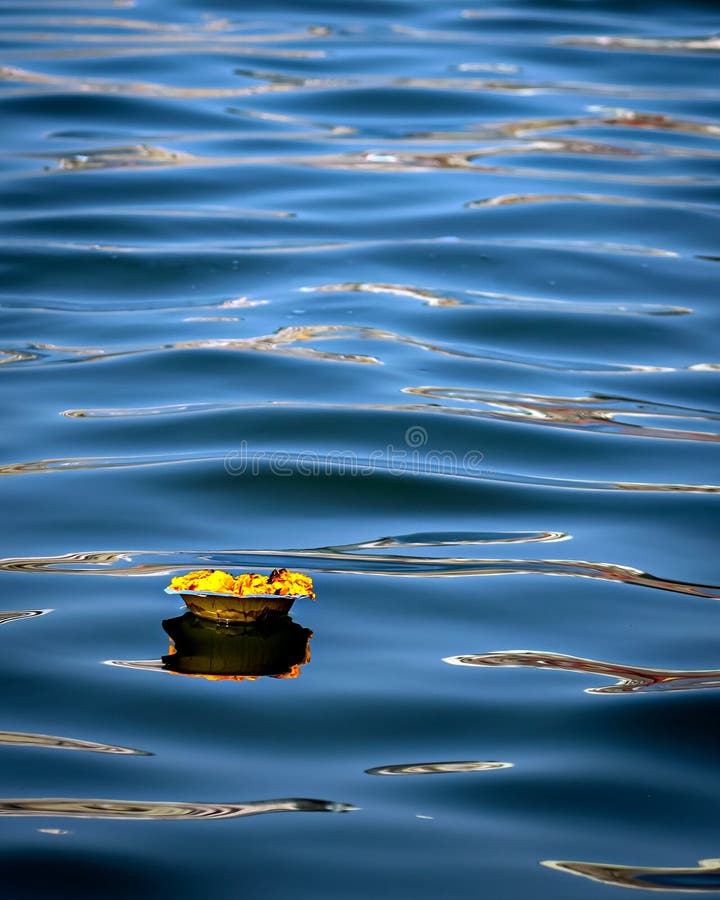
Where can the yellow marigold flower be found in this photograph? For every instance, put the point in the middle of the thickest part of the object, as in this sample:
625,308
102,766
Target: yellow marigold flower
281,581
251,583
284,582
217,581
190,581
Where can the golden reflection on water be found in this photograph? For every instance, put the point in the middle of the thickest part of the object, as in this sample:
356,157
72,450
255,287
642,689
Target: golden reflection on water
629,679
274,647
706,877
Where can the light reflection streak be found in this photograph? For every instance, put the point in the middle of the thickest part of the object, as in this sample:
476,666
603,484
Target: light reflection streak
289,248
200,211
179,38
142,156
327,559
72,21
524,199
76,4
452,539
141,665
438,768
273,82
604,117
117,51
594,413
15,615
28,739
592,307
81,808
281,343
123,306
629,679
284,340
591,414
469,299
302,465
520,129
705,44
706,877
67,83
357,466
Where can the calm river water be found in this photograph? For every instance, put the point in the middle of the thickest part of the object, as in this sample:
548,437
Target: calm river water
408,296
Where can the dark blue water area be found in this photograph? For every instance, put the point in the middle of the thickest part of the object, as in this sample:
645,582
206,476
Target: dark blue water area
420,300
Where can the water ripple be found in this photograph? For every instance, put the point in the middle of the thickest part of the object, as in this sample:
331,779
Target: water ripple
489,299
142,156
612,117
306,464
438,768
332,561
523,199
15,616
629,679
595,414
26,739
290,247
452,539
282,342
285,341
703,43
276,82
590,414
80,808
706,877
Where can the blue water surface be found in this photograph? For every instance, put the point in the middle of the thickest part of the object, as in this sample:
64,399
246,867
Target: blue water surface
409,297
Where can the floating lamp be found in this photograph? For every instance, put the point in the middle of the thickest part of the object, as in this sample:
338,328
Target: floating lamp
221,597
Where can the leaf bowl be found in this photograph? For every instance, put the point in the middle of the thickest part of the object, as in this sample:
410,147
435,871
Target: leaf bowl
216,606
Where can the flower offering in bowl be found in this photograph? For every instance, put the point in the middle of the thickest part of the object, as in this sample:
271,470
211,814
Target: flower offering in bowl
221,597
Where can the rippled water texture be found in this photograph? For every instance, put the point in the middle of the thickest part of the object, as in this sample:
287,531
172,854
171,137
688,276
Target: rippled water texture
408,296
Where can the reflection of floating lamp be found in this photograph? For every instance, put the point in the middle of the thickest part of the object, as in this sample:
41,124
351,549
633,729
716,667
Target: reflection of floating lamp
274,646
221,597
